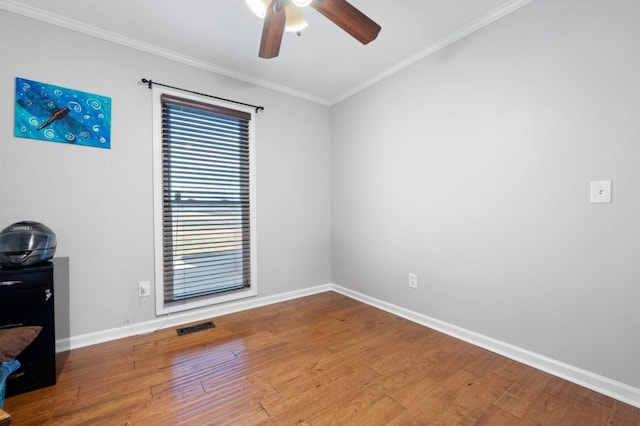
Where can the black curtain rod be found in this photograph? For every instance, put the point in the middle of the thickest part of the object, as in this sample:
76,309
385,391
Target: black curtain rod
150,83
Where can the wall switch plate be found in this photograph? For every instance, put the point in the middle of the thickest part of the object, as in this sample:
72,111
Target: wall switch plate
600,191
144,288
413,281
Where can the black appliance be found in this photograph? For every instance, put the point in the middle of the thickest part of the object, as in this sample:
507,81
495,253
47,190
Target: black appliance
26,298
26,243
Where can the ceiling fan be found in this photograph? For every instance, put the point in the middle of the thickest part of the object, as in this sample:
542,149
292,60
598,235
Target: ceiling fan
281,15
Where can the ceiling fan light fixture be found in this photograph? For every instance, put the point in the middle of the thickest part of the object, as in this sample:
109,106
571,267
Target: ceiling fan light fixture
258,7
287,14
302,3
295,21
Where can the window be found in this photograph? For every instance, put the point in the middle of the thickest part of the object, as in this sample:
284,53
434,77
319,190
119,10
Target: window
203,179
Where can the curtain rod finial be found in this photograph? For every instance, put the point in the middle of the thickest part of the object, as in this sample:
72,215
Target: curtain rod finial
149,82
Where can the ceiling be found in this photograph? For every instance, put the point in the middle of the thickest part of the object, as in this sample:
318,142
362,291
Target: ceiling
324,64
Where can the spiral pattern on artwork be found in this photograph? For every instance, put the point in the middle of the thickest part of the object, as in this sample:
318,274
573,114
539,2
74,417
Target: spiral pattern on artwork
75,107
94,103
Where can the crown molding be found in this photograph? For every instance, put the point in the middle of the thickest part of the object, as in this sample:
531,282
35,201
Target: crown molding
100,33
77,26
460,33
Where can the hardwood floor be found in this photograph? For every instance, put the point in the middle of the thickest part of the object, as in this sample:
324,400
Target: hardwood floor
323,359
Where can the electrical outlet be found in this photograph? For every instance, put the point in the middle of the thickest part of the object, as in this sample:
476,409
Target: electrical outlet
144,288
413,281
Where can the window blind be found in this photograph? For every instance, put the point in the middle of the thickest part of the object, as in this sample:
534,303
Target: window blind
205,206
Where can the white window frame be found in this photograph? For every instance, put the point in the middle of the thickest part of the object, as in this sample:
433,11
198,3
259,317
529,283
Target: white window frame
162,307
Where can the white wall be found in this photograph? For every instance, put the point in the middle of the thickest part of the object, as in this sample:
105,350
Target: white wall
471,168
99,202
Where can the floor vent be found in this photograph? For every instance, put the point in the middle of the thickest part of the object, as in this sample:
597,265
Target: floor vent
194,328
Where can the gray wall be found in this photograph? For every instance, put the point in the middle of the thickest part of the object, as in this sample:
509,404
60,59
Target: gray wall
99,202
471,168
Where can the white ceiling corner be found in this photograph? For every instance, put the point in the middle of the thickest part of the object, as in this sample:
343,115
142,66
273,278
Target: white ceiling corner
325,65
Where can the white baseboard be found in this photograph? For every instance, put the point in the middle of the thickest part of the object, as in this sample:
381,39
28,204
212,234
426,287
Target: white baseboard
604,385
172,320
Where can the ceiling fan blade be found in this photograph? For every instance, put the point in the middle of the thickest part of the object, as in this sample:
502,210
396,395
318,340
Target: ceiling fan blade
272,30
350,19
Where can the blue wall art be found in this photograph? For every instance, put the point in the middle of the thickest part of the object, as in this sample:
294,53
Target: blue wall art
57,114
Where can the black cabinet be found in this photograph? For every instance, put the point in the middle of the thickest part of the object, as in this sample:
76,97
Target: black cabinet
27,298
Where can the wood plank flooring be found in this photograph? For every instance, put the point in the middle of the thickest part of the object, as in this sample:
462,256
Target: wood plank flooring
319,360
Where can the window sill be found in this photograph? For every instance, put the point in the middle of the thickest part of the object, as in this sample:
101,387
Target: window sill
163,308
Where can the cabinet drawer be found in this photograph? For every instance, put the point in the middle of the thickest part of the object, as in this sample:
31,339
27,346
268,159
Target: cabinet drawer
14,279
